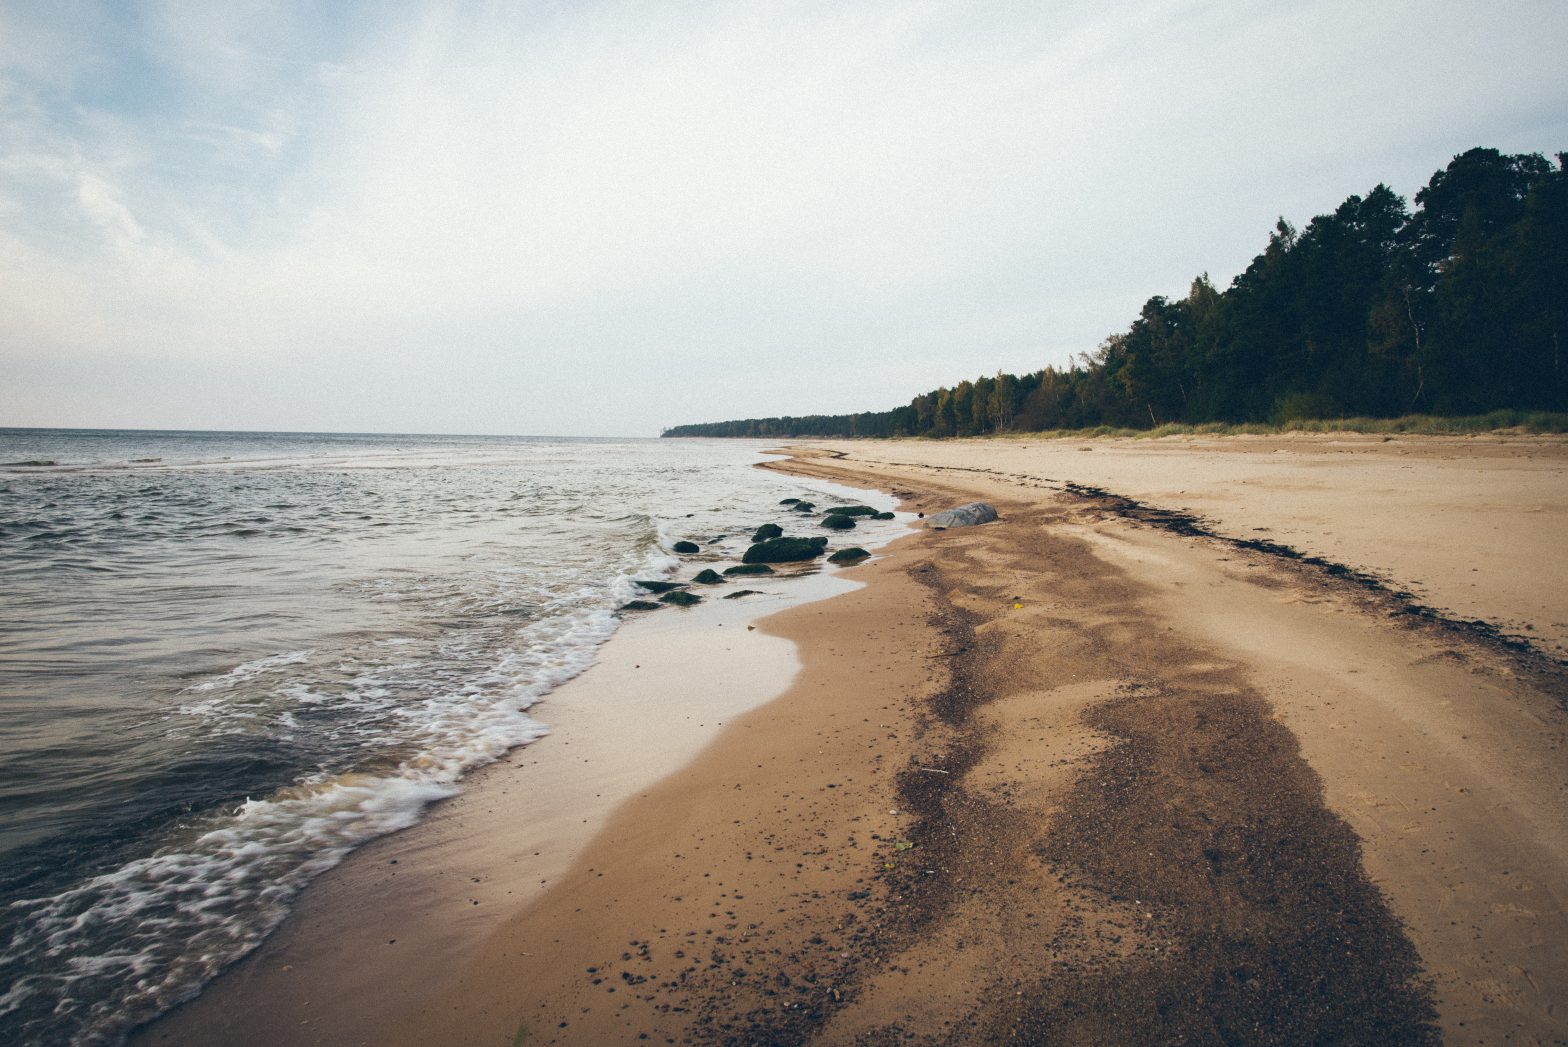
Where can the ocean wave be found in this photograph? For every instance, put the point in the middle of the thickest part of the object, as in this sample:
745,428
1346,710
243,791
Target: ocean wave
416,616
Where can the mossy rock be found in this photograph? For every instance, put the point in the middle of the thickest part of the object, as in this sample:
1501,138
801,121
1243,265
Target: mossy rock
805,507
737,594
788,501
680,599
767,531
687,547
708,576
883,516
641,605
838,523
785,550
852,510
657,587
749,568
854,554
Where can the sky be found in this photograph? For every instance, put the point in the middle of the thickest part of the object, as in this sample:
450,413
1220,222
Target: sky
586,218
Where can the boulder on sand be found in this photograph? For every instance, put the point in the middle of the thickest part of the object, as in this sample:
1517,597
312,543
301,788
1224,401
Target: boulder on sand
708,576
963,516
852,555
680,599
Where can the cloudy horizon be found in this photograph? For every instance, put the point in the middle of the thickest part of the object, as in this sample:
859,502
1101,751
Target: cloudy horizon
607,218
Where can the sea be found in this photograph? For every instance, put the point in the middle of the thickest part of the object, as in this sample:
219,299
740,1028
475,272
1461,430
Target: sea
229,659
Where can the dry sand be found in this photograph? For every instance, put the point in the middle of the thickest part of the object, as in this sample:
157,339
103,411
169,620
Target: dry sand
1473,525
1079,776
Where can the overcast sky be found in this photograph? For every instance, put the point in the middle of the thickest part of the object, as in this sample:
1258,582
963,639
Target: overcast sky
577,218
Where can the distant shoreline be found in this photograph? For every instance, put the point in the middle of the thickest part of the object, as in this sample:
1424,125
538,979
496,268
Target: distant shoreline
1508,421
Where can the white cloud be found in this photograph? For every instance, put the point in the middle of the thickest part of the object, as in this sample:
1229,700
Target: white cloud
101,203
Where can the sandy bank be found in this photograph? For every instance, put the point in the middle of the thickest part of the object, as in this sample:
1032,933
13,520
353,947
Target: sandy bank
1472,525
1069,778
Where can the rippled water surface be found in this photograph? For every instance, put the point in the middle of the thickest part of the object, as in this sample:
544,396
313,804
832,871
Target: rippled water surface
227,659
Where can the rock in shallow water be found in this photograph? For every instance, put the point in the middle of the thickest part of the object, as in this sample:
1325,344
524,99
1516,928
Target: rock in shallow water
785,550
687,547
680,599
963,516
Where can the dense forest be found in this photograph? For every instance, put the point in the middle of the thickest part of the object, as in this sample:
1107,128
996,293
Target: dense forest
1458,307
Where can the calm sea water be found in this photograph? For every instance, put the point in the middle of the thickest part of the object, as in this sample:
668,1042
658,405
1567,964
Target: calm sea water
226,659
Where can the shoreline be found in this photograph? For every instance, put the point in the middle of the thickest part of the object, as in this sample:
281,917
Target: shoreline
957,826
435,890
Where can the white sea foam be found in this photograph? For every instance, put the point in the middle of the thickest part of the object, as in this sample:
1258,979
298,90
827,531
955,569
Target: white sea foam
251,670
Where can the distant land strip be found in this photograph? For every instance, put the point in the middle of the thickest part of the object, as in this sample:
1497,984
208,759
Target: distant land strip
1448,318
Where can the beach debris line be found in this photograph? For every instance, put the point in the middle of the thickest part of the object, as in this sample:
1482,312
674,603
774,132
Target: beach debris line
963,516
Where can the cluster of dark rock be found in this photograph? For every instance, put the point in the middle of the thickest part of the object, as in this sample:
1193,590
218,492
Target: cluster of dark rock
769,546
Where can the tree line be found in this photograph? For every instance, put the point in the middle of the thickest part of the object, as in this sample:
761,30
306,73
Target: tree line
1458,307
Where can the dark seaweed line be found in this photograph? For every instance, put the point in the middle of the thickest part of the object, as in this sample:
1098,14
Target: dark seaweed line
1177,522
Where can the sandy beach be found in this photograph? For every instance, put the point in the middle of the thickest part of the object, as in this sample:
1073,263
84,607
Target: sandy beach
1225,740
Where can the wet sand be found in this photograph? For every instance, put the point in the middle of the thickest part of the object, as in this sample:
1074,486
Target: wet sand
1080,777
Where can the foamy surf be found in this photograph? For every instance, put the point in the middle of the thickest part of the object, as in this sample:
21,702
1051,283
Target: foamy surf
265,702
